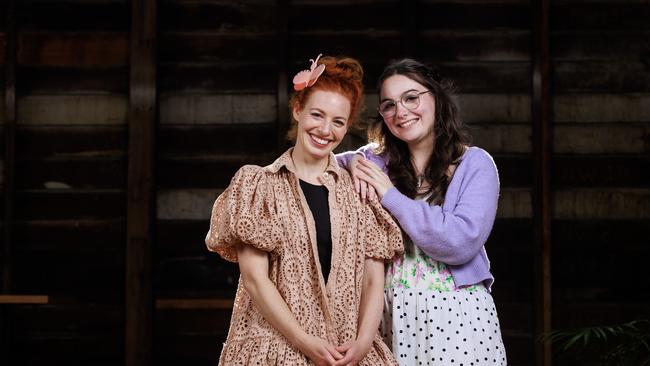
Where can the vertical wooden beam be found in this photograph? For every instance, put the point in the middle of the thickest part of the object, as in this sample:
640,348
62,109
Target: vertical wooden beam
542,198
10,142
140,191
408,28
9,170
283,78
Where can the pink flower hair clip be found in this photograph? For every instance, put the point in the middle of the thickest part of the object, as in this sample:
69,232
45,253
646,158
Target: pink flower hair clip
307,78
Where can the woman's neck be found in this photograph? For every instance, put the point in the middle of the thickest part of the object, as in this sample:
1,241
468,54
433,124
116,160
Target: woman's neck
420,154
307,167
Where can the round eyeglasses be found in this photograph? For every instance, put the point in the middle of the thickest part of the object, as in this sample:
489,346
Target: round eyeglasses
410,100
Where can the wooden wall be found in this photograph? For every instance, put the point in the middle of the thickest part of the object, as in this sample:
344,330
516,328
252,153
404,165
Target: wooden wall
222,71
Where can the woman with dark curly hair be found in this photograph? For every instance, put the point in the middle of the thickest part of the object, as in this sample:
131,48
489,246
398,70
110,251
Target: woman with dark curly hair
310,253
443,193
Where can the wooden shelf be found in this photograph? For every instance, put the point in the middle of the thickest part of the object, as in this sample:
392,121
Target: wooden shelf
24,299
194,303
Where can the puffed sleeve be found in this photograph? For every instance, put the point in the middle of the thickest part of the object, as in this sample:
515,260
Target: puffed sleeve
244,213
382,236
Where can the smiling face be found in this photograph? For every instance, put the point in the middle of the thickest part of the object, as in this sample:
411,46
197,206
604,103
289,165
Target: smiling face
322,124
409,125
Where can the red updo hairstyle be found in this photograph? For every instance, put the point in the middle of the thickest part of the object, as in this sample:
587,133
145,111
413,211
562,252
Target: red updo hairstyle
343,75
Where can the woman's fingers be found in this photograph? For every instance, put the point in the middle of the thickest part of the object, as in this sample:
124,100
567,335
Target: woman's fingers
372,193
363,191
334,352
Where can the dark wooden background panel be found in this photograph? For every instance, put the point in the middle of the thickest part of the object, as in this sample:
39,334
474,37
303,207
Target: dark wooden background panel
600,15
220,16
484,15
89,49
3,41
205,173
183,265
66,333
310,15
624,45
69,204
57,16
488,77
71,141
601,76
205,77
67,173
55,272
371,47
211,140
474,45
216,47
71,80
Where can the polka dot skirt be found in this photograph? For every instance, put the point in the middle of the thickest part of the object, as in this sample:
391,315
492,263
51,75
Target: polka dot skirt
425,327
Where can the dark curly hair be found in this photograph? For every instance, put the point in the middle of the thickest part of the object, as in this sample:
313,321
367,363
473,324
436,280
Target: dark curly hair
449,133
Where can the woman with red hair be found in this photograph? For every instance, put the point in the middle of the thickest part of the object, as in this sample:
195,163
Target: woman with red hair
310,252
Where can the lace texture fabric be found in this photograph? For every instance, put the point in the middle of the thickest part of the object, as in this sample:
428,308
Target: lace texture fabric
265,208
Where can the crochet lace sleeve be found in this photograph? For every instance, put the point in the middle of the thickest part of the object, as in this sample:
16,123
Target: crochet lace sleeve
244,213
383,238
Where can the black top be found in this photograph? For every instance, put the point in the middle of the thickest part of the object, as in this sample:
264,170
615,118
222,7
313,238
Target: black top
317,200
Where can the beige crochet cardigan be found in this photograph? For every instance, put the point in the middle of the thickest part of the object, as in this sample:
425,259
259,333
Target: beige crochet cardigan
264,207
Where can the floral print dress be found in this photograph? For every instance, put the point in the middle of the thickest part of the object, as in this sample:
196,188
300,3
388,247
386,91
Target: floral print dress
429,321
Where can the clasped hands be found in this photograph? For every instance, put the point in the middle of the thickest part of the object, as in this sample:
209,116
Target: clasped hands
322,353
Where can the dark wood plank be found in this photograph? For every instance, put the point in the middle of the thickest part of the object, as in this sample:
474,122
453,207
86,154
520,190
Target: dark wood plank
3,39
488,15
631,171
216,47
206,274
572,171
488,77
78,333
71,174
211,140
87,49
204,173
71,141
92,236
600,45
73,15
217,78
344,16
600,15
542,197
69,204
601,77
181,238
511,46
248,16
140,187
97,274
282,72
9,154
71,80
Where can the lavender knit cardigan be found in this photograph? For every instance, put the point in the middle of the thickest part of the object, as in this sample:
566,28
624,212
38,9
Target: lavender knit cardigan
454,233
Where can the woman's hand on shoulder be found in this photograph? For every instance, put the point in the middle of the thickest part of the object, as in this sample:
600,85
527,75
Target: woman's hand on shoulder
365,190
318,350
369,172
354,352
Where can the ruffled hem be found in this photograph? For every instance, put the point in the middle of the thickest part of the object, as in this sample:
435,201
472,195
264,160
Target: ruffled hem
277,351
261,351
